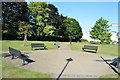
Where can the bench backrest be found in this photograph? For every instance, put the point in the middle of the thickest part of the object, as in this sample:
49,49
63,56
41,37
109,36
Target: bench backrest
15,52
37,44
91,47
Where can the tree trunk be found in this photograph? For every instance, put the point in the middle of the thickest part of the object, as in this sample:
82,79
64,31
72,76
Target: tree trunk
70,41
101,41
25,39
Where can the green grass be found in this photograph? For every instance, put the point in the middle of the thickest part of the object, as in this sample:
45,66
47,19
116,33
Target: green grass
0,67
20,44
106,49
9,71
109,77
102,48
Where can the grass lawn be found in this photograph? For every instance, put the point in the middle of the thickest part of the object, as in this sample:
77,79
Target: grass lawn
19,45
109,77
0,68
102,48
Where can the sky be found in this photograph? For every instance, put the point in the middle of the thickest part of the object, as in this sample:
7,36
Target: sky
75,0
87,13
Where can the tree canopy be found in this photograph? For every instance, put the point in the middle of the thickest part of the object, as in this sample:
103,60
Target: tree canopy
40,20
13,13
100,31
73,29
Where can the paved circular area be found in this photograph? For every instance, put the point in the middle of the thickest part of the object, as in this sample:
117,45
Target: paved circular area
84,64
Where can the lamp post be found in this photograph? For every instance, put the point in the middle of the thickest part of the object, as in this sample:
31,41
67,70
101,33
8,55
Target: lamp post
68,60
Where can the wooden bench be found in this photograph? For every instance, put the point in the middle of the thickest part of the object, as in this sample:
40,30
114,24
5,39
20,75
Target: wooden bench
33,45
90,47
16,53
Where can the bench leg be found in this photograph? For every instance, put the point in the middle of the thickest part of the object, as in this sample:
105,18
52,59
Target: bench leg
83,49
12,56
96,51
23,62
44,47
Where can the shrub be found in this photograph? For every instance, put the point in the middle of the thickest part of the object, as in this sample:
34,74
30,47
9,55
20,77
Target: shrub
83,40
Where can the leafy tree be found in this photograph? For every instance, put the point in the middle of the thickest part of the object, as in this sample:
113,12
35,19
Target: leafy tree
39,16
43,15
42,18
53,14
100,31
13,13
56,20
73,29
60,25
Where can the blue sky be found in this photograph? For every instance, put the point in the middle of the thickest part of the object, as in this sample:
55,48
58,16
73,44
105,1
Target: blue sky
87,13
75,0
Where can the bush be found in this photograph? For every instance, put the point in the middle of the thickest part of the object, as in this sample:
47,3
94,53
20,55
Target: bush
83,40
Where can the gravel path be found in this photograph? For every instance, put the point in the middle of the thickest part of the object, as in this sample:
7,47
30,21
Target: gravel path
84,64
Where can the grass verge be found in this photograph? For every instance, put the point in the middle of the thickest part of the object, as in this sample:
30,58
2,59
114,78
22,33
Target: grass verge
19,45
109,77
106,49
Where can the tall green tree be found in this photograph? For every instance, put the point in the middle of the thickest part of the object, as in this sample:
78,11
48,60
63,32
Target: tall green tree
13,13
39,15
100,31
73,29
56,20
43,15
53,14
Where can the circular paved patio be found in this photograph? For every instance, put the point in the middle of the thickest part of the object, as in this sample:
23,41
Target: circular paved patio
84,64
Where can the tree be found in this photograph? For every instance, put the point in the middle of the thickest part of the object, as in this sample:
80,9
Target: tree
25,29
13,13
39,15
53,14
100,31
73,29
56,20
43,15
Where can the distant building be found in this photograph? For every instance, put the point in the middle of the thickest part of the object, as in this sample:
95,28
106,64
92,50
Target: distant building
114,36
86,35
